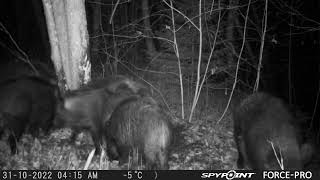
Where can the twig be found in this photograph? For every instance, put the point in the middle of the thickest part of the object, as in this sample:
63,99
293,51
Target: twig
89,159
113,11
25,58
194,103
279,159
176,50
256,86
238,63
211,53
189,20
212,6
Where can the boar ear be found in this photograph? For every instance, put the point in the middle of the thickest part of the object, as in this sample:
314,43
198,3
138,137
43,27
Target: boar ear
69,102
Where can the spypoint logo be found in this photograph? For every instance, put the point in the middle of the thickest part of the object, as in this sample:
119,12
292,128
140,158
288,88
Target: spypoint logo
232,174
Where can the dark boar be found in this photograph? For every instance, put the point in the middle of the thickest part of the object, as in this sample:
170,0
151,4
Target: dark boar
118,84
30,103
139,124
88,111
89,107
264,130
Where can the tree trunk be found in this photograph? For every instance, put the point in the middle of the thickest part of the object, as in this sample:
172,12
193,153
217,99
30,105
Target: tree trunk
67,28
95,32
147,27
230,29
41,21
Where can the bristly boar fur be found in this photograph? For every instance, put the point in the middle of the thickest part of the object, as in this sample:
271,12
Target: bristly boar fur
139,124
264,130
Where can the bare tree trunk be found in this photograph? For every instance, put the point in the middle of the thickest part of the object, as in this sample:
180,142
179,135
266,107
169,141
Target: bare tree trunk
38,10
230,29
198,88
147,27
94,41
67,28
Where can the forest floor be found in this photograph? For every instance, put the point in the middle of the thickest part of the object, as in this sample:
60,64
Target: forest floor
203,143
